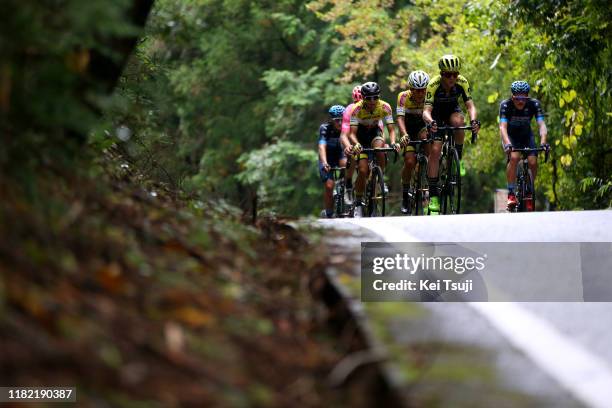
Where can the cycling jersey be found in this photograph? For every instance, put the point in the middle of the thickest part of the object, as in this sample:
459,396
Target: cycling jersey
330,137
346,118
412,111
445,103
407,105
361,116
519,122
367,122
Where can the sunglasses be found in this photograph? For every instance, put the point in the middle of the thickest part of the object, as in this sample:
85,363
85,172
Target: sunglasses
520,98
337,120
450,74
371,98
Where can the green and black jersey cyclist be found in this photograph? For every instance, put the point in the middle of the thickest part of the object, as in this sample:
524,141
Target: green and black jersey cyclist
411,125
442,108
365,131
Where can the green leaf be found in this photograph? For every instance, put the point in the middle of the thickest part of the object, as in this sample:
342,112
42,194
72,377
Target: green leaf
566,160
578,130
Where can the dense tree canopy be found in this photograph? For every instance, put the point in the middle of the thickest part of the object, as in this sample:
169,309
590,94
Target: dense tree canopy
217,87
215,82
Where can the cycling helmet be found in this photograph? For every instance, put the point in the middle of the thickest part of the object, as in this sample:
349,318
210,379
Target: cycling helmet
370,89
519,87
418,80
357,94
449,63
336,111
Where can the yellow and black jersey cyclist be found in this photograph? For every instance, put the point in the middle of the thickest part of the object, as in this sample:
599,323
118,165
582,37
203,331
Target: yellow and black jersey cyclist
365,131
411,126
442,107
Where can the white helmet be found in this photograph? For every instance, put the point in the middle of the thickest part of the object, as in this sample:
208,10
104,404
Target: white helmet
418,80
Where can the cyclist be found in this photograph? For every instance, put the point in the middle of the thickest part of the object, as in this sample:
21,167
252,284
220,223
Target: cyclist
366,132
442,106
346,129
330,155
515,116
411,125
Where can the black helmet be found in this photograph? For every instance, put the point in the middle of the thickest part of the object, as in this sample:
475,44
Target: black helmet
370,89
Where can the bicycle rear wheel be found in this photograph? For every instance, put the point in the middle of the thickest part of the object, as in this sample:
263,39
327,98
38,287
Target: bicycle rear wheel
451,185
530,192
521,188
376,193
339,199
421,188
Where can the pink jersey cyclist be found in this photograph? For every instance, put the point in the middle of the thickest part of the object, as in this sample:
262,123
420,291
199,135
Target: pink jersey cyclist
346,117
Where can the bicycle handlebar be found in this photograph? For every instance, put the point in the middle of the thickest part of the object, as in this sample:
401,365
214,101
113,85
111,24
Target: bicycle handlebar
377,149
532,149
418,142
381,150
455,128
474,134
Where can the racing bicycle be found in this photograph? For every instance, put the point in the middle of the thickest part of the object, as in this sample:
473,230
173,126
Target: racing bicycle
450,176
375,195
418,194
525,189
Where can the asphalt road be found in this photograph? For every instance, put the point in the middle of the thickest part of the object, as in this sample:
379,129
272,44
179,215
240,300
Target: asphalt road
559,352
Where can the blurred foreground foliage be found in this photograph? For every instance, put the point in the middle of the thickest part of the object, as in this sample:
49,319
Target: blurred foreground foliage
114,276
137,298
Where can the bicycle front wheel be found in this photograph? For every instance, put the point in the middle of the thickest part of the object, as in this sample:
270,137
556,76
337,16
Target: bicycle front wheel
526,197
451,189
376,189
421,188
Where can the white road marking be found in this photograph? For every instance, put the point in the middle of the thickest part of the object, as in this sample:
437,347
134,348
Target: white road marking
583,374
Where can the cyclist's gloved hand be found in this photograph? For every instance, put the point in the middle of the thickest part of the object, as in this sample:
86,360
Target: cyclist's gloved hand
432,126
357,148
326,167
475,125
546,146
507,147
404,140
397,147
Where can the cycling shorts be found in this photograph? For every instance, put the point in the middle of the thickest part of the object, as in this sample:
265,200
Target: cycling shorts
366,137
523,141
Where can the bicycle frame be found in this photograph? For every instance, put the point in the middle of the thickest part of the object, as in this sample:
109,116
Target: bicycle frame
375,176
417,194
337,174
450,188
524,180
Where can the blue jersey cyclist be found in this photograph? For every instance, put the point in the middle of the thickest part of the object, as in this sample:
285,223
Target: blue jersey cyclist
515,116
331,155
